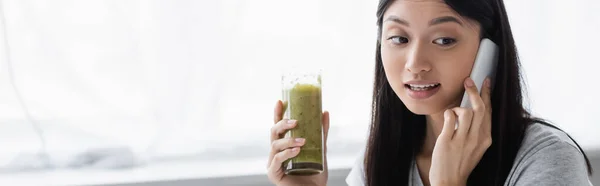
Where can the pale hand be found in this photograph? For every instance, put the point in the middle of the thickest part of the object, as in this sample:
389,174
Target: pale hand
457,152
286,148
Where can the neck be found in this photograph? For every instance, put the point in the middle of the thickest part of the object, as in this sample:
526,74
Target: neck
435,123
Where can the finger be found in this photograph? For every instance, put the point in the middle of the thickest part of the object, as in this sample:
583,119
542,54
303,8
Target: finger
277,132
471,89
278,114
282,144
486,126
448,128
286,143
279,129
465,116
486,96
477,124
477,104
280,157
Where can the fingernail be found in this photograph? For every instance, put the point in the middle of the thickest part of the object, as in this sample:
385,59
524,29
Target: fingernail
300,140
291,122
469,82
487,82
295,149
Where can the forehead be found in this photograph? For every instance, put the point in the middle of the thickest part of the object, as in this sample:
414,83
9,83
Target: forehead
418,8
421,12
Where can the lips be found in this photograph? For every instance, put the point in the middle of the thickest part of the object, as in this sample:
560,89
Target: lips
422,89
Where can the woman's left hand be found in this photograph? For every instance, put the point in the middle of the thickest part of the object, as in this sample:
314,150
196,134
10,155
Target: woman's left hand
457,152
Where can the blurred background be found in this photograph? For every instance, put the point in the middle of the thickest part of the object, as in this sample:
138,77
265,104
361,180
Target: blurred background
149,92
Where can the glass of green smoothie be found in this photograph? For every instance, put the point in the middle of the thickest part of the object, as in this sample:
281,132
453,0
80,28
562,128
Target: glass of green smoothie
302,102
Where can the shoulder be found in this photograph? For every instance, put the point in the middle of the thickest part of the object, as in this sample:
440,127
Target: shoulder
548,156
356,177
539,136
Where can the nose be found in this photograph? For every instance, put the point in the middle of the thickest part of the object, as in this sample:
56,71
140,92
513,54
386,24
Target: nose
417,61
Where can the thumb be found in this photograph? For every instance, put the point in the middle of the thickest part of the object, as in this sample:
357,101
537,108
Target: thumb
325,126
325,132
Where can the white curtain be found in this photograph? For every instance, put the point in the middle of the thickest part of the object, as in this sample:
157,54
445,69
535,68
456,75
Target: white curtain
124,83
169,79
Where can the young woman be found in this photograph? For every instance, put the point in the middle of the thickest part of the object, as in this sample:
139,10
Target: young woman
424,55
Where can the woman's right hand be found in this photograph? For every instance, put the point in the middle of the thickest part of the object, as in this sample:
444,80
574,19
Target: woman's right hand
286,148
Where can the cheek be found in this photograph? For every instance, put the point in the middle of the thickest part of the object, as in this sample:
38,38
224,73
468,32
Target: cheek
393,65
455,71
390,59
449,68
453,75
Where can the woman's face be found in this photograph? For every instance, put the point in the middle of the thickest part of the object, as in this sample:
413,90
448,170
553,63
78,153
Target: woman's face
427,51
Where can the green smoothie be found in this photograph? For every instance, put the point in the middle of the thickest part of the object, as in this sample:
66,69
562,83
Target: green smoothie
303,103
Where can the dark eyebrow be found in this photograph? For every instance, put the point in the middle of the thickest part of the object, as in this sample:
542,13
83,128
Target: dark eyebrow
439,20
397,20
444,19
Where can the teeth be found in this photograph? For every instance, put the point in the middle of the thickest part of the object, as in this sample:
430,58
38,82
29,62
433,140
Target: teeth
422,87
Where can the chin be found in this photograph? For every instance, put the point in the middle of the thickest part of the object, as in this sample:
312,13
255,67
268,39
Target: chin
424,107
435,104
421,108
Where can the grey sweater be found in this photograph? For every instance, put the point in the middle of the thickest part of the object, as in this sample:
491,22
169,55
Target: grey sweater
547,157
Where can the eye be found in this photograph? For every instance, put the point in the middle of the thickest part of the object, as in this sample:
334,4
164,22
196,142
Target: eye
444,41
398,40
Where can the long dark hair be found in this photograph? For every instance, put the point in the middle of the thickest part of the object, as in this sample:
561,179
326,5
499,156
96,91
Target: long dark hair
397,134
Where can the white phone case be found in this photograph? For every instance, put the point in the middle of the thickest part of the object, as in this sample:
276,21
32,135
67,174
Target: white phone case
485,66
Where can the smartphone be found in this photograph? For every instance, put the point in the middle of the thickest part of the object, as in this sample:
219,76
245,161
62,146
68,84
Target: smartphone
484,66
